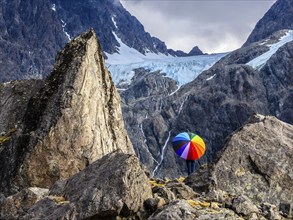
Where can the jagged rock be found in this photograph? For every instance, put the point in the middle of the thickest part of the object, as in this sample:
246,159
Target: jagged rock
195,51
52,208
16,206
115,185
181,191
182,209
164,192
176,210
270,211
72,121
286,209
242,205
256,162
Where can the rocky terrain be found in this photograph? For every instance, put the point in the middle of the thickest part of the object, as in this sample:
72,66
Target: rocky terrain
241,184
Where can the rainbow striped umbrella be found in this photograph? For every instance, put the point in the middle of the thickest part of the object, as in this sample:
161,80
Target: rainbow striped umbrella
189,146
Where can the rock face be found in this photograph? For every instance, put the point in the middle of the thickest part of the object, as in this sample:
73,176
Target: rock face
72,121
279,17
31,35
113,186
256,162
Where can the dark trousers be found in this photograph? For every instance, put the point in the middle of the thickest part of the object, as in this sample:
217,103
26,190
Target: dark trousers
190,166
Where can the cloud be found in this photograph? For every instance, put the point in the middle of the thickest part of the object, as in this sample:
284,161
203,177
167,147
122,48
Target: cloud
214,26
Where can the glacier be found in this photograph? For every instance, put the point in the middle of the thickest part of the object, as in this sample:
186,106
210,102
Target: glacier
181,69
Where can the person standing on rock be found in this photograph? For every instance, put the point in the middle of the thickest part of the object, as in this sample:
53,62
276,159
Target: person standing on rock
190,166
190,147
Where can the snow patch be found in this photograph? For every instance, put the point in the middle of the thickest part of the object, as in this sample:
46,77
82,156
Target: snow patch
53,7
114,22
162,154
211,77
260,61
63,27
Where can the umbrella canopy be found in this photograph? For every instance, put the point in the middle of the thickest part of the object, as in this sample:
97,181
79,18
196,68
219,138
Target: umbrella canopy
189,146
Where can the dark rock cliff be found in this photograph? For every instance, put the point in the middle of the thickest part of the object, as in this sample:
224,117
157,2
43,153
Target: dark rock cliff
279,17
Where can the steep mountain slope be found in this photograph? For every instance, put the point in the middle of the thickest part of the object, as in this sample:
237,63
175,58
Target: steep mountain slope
279,17
33,32
30,37
216,103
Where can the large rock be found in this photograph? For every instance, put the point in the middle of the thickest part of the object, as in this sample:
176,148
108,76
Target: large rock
256,163
72,121
193,209
16,206
115,185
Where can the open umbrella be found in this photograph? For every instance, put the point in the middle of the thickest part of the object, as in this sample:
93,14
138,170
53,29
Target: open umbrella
189,146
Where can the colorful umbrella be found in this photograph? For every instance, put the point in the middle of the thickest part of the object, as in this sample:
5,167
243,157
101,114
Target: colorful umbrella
189,146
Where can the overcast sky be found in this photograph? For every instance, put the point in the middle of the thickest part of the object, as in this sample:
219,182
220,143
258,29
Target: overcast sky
212,25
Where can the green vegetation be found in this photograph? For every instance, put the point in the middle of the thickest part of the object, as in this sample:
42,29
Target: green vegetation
7,137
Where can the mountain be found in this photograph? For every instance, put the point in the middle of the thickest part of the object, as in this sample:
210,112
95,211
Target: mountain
278,17
252,79
61,124
33,32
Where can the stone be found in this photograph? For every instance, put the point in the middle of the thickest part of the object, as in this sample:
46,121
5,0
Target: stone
176,210
16,206
270,211
285,209
242,205
181,191
112,186
164,192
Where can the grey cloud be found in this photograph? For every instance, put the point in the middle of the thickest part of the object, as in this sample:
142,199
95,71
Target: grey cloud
215,26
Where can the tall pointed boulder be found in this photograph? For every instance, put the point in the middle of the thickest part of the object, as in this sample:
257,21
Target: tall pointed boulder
72,121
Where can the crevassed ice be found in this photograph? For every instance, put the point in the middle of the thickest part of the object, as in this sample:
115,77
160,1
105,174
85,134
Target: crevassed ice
181,69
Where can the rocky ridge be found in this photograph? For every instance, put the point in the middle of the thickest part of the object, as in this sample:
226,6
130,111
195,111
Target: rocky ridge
116,186
277,18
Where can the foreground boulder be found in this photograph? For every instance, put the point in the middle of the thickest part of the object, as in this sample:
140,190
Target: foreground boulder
73,120
255,164
115,185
